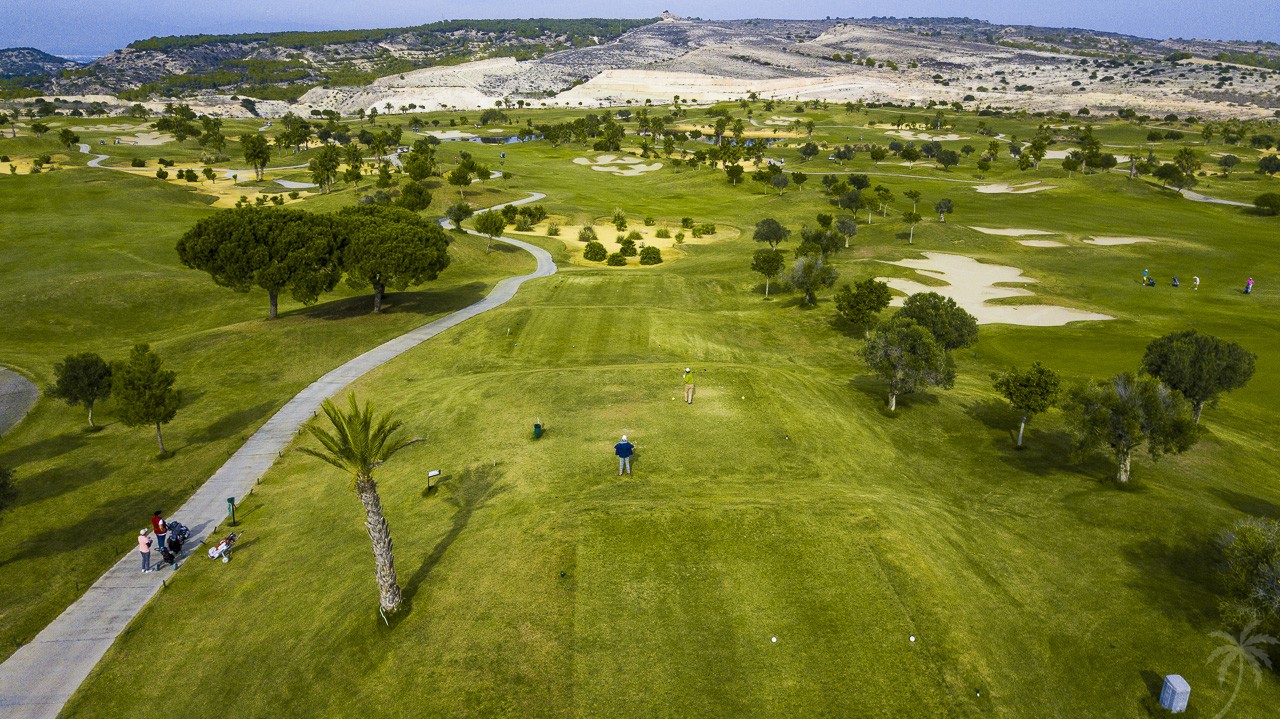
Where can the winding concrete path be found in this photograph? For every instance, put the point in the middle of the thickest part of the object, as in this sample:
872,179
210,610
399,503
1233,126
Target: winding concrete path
39,678
17,396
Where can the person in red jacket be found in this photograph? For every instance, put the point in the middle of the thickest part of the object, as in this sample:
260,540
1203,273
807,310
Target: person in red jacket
158,526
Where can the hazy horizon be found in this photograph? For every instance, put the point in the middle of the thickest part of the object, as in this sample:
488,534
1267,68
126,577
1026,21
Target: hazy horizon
81,28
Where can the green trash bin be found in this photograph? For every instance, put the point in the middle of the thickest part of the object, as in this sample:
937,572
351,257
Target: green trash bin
537,430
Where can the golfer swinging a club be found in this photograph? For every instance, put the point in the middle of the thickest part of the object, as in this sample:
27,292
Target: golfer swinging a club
624,449
688,385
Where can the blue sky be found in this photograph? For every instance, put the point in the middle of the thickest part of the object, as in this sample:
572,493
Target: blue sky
95,26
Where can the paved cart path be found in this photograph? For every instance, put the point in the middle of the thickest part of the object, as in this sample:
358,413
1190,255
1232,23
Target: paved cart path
39,678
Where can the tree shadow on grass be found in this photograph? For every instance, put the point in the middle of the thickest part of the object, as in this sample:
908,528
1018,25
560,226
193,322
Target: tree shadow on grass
47,448
56,481
1248,504
107,519
422,302
229,424
470,491
1164,571
875,390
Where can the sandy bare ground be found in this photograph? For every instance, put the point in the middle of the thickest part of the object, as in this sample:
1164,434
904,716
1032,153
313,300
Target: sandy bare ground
926,137
609,235
1042,243
1010,232
149,139
972,285
622,166
1004,188
1109,241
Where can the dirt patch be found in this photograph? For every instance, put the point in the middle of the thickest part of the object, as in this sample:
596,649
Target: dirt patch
609,236
1010,232
974,284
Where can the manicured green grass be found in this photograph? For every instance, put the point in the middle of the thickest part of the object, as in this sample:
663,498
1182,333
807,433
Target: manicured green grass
91,266
786,502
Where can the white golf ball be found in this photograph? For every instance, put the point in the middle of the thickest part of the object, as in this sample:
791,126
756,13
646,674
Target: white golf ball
913,638
774,640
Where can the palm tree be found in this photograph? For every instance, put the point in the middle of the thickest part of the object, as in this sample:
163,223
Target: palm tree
359,444
1243,651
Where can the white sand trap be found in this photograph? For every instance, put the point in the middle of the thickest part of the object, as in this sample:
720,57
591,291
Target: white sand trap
926,137
1109,241
972,284
147,138
1004,188
781,120
448,134
623,166
1010,232
1041,243
118,127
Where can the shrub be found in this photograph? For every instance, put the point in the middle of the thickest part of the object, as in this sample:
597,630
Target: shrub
650,221
707,228
627,247
679,238
619,220
616,260
663,233
595,252
135,162
4,158
165,163
162,174
294,195
1268,203
588,234
651,256
686,222
277,199
635,236
553,229
523,224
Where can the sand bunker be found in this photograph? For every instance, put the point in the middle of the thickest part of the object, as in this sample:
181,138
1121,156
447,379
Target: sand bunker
448,134
1004,188
146,138
781,120
972,285
117,127
1109,241
1011,232
1041,243
926,137
619,165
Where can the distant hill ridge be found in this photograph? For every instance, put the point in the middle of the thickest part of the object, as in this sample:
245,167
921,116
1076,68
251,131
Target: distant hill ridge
27,61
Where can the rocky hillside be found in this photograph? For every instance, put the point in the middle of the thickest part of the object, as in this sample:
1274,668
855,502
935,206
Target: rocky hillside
28,61
594,62
283,66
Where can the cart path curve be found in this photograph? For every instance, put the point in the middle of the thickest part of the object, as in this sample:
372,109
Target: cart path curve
37,680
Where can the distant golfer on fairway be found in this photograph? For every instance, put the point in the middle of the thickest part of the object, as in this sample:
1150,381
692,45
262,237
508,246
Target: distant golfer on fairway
688,386
624,449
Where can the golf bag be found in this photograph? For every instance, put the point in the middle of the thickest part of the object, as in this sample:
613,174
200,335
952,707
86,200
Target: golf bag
222,550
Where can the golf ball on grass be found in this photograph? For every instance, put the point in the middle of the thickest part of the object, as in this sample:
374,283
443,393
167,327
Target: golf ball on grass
913,637
774,640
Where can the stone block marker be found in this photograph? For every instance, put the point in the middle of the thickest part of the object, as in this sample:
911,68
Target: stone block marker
1175,693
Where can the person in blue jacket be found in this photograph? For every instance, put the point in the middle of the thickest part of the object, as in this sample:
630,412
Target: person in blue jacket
624,450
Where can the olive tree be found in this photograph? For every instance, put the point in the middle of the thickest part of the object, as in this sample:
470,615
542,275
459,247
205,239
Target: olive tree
1200,366
949,323
1126,412
862,303
907,357
810,274
768,263
490,224
1030,392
